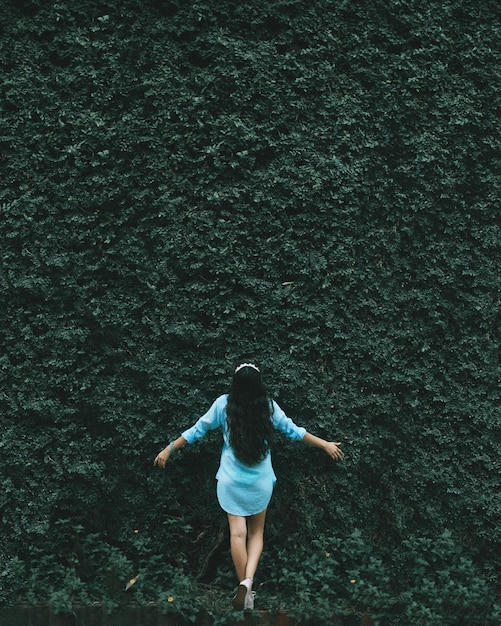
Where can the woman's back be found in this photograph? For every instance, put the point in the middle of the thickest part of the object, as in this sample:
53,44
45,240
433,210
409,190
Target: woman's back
249,414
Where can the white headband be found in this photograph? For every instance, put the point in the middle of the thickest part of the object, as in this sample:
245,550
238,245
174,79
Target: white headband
247,365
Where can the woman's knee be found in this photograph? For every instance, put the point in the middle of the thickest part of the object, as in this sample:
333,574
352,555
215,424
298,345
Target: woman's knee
238,527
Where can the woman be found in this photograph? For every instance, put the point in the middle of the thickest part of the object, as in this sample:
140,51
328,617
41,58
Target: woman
245,478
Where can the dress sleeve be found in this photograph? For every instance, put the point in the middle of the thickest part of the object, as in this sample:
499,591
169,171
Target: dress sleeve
210,421
286,425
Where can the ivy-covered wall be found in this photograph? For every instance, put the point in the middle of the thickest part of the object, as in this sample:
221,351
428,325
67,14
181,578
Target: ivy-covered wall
312,185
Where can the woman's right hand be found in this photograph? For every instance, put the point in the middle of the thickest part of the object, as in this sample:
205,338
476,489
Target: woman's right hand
162,458
333,449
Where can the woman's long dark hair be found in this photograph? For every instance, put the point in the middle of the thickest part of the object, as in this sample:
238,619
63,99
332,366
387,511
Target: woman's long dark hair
249,416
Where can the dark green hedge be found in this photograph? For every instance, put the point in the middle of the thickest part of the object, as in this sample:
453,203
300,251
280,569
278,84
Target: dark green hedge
313,185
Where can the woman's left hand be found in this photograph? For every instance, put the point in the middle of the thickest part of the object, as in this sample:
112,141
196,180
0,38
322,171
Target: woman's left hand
162,458
334,451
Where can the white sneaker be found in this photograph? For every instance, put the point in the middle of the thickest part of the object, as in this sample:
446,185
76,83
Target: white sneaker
249,601
240,598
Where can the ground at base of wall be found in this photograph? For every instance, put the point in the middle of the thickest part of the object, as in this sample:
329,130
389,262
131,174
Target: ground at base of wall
149,616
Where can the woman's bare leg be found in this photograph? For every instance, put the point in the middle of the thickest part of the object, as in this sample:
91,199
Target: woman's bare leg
238,543
255,540
246,543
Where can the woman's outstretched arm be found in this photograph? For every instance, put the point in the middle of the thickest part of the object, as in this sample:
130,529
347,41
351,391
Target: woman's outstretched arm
330,447
163,456
211,420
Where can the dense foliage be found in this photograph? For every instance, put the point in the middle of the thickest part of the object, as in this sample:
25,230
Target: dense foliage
313,185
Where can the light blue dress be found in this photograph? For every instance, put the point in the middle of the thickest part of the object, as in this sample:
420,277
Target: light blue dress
242,489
